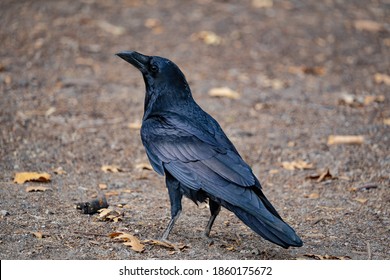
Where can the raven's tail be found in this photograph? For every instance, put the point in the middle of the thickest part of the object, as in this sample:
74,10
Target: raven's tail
267,223
277,232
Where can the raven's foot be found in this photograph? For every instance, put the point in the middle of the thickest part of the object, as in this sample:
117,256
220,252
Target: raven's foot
206,236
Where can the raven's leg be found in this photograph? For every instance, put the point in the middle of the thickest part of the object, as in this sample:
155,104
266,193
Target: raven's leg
214,210
175,196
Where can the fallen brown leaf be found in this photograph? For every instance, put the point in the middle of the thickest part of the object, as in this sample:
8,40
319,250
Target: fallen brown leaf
106,214
23,177
224,92
155,25
50,111
272,83
386,121
135,125
110,28
313,195
373,98
368,25
262,4
208,37
128,240
144,165
160,243
299,164
39,234
350,100
361,200
59,171
345,139
111,168
326,175
103,186
291,144
37,189
359,101
230,248
382,78
111,193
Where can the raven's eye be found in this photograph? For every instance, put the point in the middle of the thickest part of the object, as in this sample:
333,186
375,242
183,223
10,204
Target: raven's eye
154,68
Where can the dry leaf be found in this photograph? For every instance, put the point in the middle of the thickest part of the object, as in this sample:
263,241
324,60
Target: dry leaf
208,37
373,98
350,100
275,84
230,248
106,214
386,121
313,195
37,189
382,78
103,186
224,92
299,164
368,25
262,3
110,28
38,234
23,177
50,111
111,193
164,244
59,171
322,177
361,200
144,165
128,240
135,125
154,24
291,144
359,101
260,106
345,139
111,168
273,171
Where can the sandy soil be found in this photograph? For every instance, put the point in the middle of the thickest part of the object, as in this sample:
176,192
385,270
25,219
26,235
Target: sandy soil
304,71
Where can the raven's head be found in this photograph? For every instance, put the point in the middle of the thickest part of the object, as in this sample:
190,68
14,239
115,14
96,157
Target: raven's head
166,85
158,72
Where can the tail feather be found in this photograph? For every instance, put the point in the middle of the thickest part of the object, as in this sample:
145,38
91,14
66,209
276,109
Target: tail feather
277,231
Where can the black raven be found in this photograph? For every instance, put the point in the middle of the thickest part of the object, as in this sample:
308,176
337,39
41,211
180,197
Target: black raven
187,145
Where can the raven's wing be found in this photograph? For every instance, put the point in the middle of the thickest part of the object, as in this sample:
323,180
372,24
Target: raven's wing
175,142
201,158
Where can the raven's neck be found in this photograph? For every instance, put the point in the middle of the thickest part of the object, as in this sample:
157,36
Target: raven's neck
168,100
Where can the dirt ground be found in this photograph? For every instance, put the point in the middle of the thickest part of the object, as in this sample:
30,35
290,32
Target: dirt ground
305,70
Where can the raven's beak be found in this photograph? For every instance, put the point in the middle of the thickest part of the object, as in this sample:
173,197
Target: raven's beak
138,60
